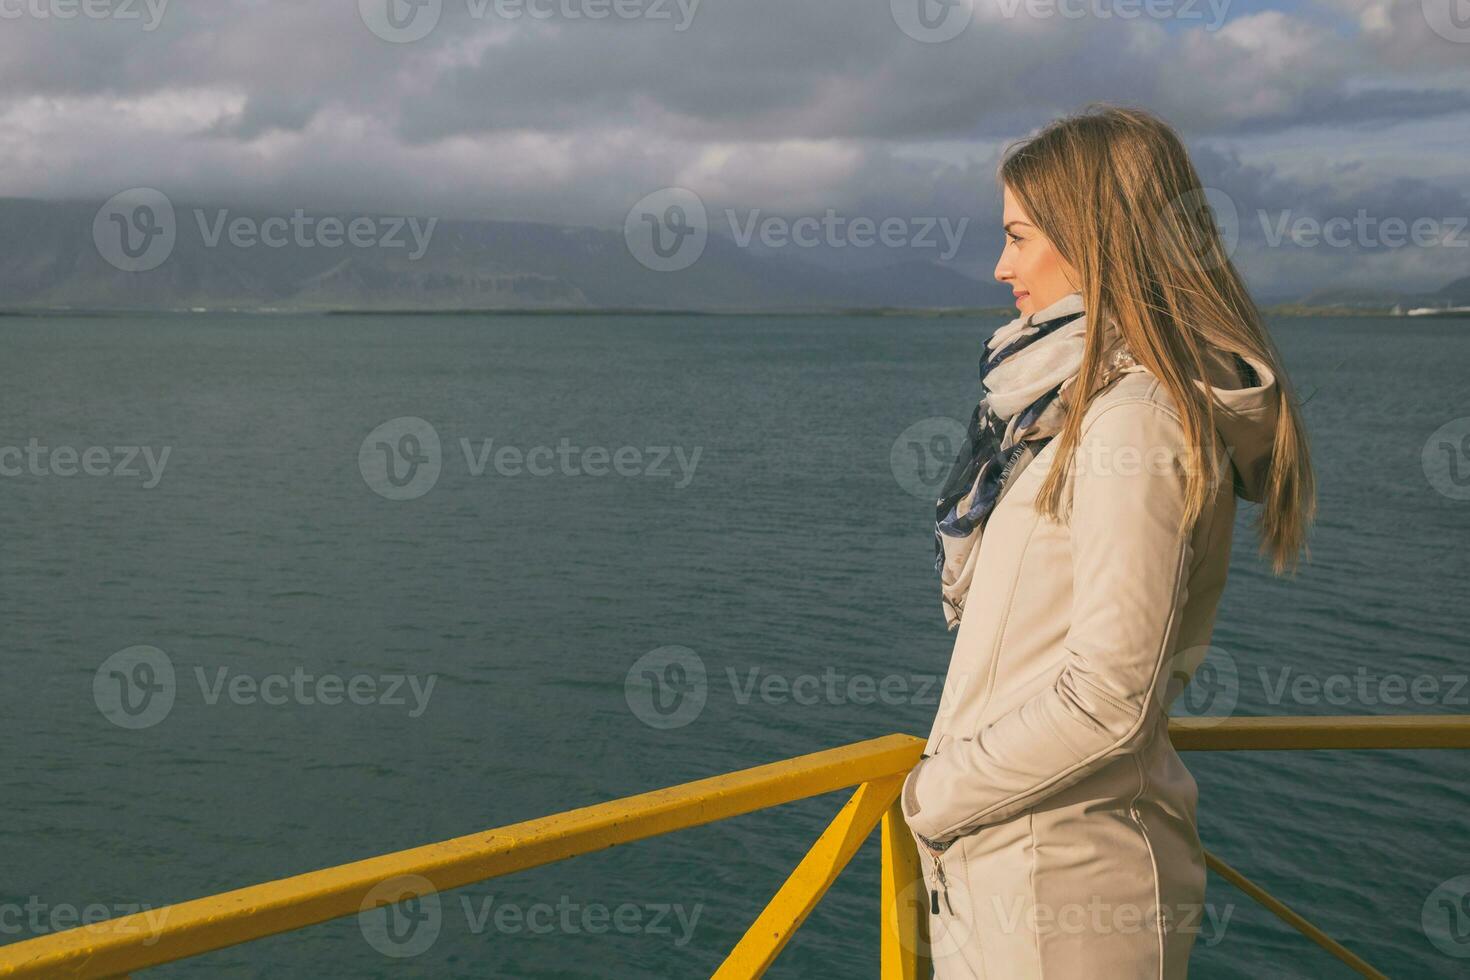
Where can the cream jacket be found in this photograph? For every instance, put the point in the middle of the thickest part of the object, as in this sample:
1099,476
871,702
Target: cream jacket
1073,846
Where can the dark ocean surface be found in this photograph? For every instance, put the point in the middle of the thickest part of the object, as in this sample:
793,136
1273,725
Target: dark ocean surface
732,486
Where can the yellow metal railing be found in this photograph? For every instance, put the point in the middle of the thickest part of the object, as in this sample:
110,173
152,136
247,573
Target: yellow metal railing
876,767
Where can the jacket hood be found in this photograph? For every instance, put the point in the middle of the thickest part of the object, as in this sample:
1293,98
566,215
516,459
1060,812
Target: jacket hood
1246,410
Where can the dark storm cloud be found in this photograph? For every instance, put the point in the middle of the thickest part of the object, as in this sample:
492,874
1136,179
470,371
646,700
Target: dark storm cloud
788,107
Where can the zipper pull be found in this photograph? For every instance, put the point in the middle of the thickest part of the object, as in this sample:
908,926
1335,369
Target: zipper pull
933,901
944,884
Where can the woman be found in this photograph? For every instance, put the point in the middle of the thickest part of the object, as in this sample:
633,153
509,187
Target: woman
1083,541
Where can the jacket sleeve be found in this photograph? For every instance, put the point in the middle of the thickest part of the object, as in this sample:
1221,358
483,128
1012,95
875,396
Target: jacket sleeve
1129,561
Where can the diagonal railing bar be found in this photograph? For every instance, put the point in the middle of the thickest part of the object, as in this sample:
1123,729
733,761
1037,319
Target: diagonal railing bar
806,885
1290,917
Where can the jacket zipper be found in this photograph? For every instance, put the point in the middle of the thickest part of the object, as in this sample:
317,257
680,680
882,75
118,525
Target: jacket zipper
943,885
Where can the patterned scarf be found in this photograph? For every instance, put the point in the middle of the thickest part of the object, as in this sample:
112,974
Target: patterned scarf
1027,365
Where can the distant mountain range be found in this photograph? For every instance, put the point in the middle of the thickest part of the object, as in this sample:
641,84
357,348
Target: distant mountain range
65,255
75,256
1456,293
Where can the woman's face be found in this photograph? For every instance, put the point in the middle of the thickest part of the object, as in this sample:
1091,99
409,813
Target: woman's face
1030,264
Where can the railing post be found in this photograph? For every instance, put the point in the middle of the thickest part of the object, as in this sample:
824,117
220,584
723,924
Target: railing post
905,926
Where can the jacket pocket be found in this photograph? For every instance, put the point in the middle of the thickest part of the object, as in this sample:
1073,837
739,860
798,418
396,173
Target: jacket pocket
953,941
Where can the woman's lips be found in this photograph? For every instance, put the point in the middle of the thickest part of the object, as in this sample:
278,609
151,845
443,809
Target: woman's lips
1021,295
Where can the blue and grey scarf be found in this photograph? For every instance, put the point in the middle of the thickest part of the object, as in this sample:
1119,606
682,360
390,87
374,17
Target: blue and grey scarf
1027,364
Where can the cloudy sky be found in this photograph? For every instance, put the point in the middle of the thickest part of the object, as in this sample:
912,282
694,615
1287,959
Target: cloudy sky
570,111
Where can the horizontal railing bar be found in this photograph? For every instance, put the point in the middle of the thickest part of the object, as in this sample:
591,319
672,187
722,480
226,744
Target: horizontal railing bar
133,942
1328,732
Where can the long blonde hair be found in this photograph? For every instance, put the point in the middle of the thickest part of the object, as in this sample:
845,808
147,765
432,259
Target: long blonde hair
1114,190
